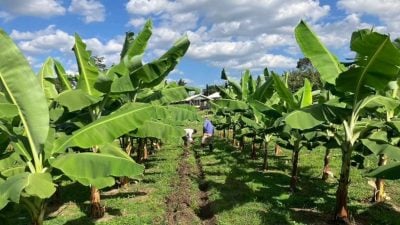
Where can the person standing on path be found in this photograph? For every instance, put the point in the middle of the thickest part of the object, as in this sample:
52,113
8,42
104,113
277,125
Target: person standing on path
188,138
208,134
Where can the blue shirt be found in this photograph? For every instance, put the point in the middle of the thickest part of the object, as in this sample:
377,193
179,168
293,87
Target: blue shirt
208,127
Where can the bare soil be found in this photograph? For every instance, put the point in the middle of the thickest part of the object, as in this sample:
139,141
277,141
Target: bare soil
181,203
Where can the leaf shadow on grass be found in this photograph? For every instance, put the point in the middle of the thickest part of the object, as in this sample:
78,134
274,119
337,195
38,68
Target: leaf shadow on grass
152,162
80,221
73,193
272,189
132,194
388,214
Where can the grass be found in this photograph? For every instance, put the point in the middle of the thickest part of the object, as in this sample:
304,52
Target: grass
240,193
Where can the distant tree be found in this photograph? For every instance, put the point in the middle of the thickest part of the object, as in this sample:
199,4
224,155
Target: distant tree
182,82
99,62
210,89
304,69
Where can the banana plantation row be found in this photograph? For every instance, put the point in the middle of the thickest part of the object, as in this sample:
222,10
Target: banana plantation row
53,128
356,110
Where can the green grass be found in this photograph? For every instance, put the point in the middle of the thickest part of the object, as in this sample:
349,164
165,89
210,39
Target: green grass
240,193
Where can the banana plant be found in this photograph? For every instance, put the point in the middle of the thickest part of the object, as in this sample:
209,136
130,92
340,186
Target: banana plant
254,100
135,82
35,149
296,138
384,140
98,94
376,64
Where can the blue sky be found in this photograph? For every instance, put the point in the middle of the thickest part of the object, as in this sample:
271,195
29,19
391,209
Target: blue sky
231,34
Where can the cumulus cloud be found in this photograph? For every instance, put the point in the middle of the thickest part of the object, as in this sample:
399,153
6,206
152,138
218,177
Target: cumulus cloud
220,50
58,43
145,7
387,11
138,22
258,62
226,32
37,8
109,50
43,41
91,10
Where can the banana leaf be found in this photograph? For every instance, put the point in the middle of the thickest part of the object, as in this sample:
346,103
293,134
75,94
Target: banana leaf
322,59
88,72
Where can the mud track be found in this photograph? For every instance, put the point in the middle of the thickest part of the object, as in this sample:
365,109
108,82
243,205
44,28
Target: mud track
182,201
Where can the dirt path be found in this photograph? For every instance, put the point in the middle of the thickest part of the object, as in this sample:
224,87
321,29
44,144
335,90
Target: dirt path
206,214
182,201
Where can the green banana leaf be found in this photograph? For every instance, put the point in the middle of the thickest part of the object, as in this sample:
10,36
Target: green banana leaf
159,130
183,113
10,189
157,71
284,92
128,42
166,96
234,105
377,101
96,168
124,84
380,135
393,152
76,99
88,72
306,98
153,73
46,75
11,164
395,124
250,123
322,59
17,77
245,81
114,149
62,75
378,63
225,93
264,92
236,88
305,118
129,117
40,185
8,110
390,171
135,49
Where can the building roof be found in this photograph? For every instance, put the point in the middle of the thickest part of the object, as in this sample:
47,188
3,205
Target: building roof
197,97
214,95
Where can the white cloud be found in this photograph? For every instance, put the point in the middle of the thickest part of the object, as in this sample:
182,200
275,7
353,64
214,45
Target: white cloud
18,35
43,41
109,50
380,8
337,35
387,11
221,49
258,62
92,10
37,8
177,71
145,7
58,43
228,32
138,22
